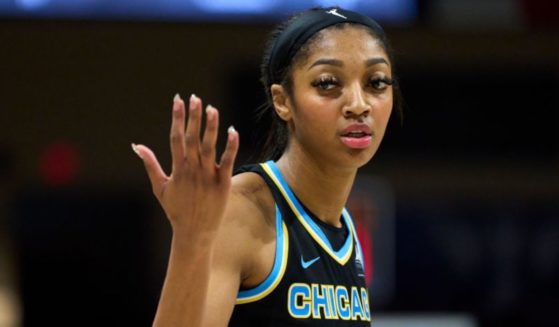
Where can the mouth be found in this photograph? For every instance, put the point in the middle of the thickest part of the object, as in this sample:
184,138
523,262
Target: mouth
357,137
356,134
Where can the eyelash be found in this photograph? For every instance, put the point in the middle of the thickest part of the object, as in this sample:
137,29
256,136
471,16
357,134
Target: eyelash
375,81
326,83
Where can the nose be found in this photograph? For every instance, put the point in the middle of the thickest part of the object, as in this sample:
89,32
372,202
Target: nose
356,104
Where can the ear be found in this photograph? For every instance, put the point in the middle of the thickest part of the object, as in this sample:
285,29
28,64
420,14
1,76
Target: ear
281,101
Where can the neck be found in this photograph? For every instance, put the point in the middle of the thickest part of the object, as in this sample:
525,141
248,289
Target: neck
321,187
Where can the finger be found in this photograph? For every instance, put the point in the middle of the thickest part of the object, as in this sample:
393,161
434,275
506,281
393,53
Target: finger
229,155
177,132
193,129
209,141
156,175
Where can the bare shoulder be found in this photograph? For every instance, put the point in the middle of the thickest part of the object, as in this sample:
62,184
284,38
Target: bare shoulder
249,213
250,209
247,234
251,199
243,250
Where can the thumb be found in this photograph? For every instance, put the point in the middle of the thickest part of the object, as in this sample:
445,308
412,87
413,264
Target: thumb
156,175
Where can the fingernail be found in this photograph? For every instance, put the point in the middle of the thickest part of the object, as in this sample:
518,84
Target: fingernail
231,129
177,97
135,149
192,96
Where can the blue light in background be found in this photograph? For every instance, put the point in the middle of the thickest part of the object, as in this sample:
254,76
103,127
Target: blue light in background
238,6
31,4
395,12
347,4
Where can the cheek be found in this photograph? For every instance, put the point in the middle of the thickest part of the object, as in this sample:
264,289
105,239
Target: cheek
308,126
311,110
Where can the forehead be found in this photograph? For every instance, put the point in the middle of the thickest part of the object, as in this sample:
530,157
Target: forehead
352,42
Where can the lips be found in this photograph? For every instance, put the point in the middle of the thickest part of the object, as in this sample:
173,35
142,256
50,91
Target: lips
356,136
356,130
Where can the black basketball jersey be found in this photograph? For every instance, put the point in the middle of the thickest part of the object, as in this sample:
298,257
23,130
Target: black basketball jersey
311,283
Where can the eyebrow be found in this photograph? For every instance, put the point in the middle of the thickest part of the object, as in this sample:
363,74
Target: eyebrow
333,62
339,63
376,61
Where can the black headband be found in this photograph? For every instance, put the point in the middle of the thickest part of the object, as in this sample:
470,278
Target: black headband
305,26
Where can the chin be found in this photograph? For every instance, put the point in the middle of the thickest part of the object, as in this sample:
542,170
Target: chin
357,158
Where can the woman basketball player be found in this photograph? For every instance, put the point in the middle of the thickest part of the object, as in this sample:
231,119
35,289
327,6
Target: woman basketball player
273,245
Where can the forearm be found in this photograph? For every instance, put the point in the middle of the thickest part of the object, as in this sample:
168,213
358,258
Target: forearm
194,197
184,292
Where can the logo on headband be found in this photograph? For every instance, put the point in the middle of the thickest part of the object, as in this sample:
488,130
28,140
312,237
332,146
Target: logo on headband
336,13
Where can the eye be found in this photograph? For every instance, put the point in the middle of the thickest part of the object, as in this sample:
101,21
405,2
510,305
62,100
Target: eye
325,83
380,83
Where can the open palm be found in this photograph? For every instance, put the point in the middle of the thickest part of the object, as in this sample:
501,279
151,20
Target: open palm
195,194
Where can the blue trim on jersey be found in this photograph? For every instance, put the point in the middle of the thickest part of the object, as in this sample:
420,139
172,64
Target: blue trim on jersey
349,221
280,262
343,254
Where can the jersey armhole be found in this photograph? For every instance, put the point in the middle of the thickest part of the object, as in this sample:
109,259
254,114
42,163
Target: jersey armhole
278,269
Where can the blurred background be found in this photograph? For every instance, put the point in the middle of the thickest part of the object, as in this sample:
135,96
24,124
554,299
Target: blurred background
462,199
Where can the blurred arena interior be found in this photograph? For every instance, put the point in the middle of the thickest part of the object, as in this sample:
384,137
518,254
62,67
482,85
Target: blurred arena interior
460,206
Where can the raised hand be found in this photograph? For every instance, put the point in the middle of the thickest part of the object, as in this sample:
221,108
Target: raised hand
194,196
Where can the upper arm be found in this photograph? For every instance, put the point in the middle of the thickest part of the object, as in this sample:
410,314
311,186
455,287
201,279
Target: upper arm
231,255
